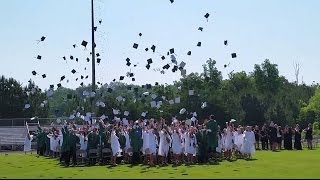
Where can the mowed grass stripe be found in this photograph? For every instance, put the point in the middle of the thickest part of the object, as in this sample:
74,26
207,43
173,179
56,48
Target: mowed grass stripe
265,164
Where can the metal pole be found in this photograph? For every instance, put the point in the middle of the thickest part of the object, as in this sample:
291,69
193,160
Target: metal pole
93,58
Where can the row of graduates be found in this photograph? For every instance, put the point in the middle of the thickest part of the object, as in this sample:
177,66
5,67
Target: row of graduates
151,139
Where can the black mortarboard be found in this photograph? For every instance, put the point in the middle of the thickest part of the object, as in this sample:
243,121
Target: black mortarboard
200,28
98,82
87,76
135,46
207,15
95,28
81,84
189,53
98,60
148,66
171,51
43,38
233,55
76,79
73,71
34,73
51,86
148,86
134,65
128,63
163,58
64,58
226,42
84,43
175,68
153,47
114,80
156,84
71,57
39,57
131,74
109,90
100,21
128,59
140,34
59,85
199,44
74,46
121,78
97,54
146,49
81,77
167,66
133,79
168,53
149,61
62,78
142,86
77,59
44,75
88,59
171,1
225,66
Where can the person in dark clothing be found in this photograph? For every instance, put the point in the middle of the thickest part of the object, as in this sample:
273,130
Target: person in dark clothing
65,148
273,136
297,138
309,134
264,138
287,138
257,136
74,140
279,137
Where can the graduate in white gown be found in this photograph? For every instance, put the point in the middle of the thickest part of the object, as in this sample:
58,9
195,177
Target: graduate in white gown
190,145
248,147
165,141
228,144
176,145
145,143
153,143
54,143
127,149
115,146
239,140
27,141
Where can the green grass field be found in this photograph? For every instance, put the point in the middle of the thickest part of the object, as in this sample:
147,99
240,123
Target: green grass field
284,164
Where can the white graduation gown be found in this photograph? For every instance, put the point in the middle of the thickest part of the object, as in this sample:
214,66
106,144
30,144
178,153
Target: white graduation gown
83,142
163,144
248,143
128,141
228,140
219,148
176,143
145,140
115,145
190,144
27,143
153,142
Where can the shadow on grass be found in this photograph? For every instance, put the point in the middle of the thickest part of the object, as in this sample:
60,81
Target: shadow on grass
252,159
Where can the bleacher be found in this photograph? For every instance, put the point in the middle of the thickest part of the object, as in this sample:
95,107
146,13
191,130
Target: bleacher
12,137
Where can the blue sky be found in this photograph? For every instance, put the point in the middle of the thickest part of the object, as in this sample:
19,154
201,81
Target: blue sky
284,31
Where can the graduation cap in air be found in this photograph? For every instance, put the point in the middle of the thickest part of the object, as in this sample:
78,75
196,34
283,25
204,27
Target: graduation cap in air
140,34
27,106
163,58
87,76
182,111
34,73
51,86
135,46
109,90
84,43
146,49
62,78
153,47
71,57
233,55
199,44
81,77
148,66
95,28
200,28
171,51
133,79
39,57
76,79
97,54
77,59
98,60
175,68
131,74
149,61
73,71
59,85
156,84
81,84
121,78
88,59
74,46
173,59
171,1
182,65
189,53
207,16
191,92
225,66
64,58
44,75
225,42
42,38
100,21
167,66
128,64
114,80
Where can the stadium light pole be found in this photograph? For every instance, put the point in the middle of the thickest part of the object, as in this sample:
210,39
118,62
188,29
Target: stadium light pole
93,85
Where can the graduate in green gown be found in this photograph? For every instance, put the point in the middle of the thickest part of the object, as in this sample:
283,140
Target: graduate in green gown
65,148
201,136
212,138
135,135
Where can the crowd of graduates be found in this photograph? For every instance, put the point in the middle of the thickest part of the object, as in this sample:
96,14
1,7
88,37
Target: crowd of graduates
153,142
